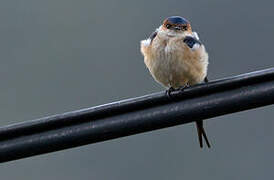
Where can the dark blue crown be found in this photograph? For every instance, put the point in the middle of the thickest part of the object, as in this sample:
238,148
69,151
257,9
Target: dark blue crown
177,20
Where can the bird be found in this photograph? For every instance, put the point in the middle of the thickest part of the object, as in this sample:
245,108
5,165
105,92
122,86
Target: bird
176,58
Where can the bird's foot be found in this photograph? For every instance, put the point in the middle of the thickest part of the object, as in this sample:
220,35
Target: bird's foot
169,91
182,88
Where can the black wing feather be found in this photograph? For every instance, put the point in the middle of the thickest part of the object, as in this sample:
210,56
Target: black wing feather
191,41
152,36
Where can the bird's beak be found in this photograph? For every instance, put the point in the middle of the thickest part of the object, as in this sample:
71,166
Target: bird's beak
177,28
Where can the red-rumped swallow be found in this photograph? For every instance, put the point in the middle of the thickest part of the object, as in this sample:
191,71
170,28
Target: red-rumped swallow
176,58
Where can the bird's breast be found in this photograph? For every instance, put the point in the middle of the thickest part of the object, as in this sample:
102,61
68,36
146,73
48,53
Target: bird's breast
165,66
172,63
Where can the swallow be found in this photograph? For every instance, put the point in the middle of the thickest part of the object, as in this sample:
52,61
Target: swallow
176,58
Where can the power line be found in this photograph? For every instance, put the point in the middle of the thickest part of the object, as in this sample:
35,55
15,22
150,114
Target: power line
136,115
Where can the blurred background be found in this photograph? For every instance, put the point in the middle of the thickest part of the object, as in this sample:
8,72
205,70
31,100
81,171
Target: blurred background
63,55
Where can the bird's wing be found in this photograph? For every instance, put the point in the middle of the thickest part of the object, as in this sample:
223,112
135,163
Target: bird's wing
153,35
147,42
192,42
196,35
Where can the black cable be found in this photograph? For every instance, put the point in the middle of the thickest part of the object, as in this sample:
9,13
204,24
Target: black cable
136,115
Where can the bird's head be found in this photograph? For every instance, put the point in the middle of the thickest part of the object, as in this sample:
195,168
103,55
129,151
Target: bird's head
175,25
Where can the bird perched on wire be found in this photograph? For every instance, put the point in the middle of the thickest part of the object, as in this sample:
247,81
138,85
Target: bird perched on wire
176,58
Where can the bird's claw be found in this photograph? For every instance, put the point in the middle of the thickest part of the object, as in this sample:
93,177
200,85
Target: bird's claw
169,91
182,88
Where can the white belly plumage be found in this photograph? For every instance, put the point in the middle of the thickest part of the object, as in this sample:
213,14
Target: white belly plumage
165,67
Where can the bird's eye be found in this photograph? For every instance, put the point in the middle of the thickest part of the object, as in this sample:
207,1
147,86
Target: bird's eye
184,28
168,26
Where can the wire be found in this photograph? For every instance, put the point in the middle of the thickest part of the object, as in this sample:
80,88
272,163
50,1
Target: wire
136,115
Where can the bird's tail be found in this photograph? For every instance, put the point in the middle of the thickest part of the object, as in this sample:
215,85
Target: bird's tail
201,133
